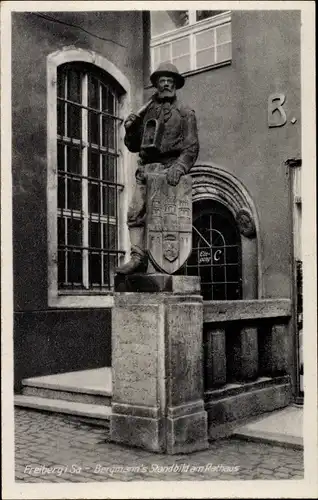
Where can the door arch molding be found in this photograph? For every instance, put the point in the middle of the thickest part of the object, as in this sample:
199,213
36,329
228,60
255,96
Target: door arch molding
211,181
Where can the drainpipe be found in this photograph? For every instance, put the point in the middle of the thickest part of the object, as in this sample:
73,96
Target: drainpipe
292,164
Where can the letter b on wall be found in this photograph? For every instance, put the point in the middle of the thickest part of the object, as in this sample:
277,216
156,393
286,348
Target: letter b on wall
276,113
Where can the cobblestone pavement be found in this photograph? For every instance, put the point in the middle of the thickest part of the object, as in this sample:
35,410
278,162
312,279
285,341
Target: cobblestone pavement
58,448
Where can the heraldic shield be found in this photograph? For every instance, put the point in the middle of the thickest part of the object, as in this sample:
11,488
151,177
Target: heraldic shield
169,222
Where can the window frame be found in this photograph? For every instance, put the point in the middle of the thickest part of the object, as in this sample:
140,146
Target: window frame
69,142
83,298
190,30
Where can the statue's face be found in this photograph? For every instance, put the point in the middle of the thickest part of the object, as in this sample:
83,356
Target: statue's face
166,86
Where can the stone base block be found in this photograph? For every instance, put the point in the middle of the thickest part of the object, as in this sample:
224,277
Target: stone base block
227,413
157,370
187,434
157,282
142,432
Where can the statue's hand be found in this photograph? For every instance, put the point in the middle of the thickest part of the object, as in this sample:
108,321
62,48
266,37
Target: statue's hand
130,120
174,174
140,174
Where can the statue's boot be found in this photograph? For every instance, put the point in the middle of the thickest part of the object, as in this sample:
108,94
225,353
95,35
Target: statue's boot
138,258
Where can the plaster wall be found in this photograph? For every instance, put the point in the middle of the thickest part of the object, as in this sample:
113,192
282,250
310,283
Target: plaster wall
48,340
231,108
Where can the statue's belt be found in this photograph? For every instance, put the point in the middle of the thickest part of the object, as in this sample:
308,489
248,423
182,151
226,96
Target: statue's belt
164,158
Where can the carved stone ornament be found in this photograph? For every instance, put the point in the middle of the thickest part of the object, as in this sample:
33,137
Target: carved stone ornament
171,247
168,222
245,223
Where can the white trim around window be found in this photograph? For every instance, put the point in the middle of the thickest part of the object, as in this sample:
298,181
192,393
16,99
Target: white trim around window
208,28
80,299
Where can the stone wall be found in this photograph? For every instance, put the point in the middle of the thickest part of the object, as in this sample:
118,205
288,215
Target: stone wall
231,104
47,340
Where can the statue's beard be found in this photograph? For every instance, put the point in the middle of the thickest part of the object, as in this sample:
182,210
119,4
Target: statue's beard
167,94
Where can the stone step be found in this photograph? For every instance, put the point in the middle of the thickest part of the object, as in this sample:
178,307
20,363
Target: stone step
282,427
96,414
71,396
87,386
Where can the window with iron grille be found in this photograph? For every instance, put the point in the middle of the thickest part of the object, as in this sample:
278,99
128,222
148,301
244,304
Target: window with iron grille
192,40
216,252
87,157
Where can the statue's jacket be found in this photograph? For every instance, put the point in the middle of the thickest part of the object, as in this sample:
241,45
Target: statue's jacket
179,144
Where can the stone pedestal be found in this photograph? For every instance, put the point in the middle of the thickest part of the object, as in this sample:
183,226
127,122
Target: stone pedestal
157,366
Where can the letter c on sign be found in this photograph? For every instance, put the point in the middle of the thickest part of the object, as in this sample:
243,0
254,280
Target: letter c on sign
276,114
217,252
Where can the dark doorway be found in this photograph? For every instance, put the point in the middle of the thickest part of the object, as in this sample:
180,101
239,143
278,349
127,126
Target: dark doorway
216,252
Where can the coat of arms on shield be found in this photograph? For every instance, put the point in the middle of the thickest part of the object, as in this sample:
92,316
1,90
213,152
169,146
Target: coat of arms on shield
169,222
170,246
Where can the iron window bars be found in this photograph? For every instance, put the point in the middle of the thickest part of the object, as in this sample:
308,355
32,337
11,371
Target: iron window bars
87,124
216,256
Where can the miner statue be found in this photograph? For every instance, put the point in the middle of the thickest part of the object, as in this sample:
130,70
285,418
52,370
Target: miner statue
164,133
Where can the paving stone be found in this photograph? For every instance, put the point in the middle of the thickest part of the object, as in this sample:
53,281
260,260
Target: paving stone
283,469
55,440
294,466
281,475
296,471
268,465
264,471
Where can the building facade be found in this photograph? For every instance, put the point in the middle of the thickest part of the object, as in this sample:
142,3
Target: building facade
82,73
243,81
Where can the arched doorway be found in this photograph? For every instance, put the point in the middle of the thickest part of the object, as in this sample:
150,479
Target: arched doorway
218,192
216,251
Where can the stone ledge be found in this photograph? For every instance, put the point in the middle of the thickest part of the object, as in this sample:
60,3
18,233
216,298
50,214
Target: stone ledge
157,282
234,310
185,409
282,427
135,410
235,389
227,414
62,406
74,396
294,442
92,381
133,300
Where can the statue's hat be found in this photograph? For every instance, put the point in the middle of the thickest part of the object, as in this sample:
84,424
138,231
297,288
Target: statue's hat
167,68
